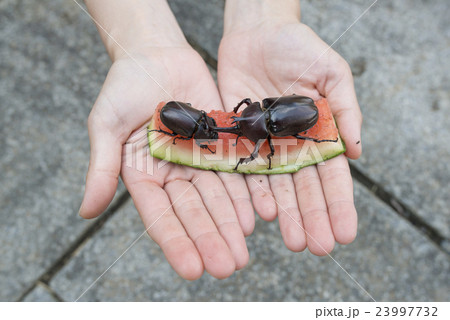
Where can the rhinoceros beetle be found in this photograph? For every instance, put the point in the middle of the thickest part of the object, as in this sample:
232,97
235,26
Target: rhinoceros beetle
187,123
279,117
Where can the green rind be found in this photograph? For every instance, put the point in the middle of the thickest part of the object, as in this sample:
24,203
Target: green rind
327,150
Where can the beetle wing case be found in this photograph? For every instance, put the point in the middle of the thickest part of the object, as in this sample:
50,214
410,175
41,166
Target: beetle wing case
180,118
290,115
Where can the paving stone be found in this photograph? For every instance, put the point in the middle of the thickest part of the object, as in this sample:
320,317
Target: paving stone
40,294
201,20
404,92
398,52
390,259
52,64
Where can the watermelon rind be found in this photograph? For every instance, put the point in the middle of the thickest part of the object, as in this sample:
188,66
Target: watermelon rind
161,147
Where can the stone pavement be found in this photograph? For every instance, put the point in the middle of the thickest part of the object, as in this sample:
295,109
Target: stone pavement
52,65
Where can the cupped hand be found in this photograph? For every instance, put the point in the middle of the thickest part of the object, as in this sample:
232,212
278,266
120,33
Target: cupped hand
193,215
315,205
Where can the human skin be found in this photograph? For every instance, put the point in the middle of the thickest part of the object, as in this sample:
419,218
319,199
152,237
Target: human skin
200,218
195,216
267,52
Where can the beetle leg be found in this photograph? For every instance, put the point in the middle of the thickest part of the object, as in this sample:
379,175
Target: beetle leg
204,117
204,146
181,138
235,144
247,101
272,152
172,134
253,155
312,139
235,119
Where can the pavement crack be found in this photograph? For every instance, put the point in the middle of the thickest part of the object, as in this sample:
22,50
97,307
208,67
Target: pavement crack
401,209
209,59
75,246
396,204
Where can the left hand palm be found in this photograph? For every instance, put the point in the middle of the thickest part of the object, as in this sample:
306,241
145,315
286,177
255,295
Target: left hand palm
192,214
281,59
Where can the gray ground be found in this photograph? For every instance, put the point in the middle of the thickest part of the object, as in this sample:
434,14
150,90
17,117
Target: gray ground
52,65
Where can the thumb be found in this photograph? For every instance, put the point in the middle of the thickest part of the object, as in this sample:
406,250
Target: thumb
104,168
344,106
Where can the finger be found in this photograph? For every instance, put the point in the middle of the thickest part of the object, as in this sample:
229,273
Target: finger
104,168
237,190
258,185
262,196
338,189
344,105
190,210
291,224
220,207
164,228
314,212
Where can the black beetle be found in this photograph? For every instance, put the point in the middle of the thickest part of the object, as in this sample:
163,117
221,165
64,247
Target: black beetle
279,117
187,122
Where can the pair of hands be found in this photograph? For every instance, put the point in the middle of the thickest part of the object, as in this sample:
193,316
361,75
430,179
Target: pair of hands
200,218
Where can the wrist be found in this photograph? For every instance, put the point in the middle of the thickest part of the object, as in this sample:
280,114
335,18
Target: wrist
241,15
136,28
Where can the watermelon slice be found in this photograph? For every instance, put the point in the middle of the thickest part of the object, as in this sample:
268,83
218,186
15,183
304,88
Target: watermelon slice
291,154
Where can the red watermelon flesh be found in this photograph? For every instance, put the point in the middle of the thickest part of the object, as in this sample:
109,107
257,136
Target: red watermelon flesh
291,154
